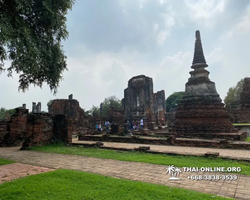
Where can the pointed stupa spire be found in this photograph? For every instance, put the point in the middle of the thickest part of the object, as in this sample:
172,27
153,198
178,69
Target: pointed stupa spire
198,51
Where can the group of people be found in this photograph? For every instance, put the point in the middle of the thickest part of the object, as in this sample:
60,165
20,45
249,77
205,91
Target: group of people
98,126
134,125
131,125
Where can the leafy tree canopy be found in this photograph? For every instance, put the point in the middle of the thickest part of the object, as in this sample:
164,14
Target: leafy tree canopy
173,100
31,35
108,102
4,111
233,94
49,103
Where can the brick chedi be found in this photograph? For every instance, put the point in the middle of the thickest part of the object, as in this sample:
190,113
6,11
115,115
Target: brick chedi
241,108
201,110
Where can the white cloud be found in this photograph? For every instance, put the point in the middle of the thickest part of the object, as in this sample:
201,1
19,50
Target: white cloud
242,27
162,2
204,8
156,26
170,22
108,46
161,37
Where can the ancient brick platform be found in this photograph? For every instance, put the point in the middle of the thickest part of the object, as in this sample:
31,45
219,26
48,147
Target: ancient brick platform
223,140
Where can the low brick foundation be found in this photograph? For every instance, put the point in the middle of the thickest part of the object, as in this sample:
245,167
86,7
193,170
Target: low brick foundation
171,140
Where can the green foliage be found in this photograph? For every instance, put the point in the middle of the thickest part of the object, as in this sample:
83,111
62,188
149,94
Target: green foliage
31,35
179,161
3,112
108,102
111,101
233,94
94,111
173,100
65,184
49,103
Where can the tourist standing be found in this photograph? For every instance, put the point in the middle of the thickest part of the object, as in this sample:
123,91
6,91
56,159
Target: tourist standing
134,125
131,124
99,127
141,123
107,125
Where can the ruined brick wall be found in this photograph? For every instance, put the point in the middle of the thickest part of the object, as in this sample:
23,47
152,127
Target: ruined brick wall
34,129
72,110
201,117
160,106
16,128
67,107
3,129
240,111
39,128
62,128
141,102
138,97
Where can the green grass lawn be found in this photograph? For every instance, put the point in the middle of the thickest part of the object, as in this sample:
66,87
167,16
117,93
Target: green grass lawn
248,139
5,162
180,161
67,184
242,124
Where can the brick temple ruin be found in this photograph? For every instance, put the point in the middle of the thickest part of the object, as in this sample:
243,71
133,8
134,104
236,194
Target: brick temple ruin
199,116
140,101
240,109
201,109
64,119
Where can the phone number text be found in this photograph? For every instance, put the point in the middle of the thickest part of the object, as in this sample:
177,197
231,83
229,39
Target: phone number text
212,177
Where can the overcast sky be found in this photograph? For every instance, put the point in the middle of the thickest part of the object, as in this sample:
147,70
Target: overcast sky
110,41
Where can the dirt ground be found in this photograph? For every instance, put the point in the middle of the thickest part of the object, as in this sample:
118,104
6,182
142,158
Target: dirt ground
17,170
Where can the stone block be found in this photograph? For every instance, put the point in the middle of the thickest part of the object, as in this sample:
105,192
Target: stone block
212,154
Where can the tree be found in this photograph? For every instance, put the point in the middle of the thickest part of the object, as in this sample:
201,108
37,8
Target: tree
2,113
94,111
108,102
49,103
111,101
31,35
233,94
173,100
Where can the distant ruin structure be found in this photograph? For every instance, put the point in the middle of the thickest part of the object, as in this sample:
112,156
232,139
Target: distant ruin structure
201,110
240,109
71,109
140,101
36,108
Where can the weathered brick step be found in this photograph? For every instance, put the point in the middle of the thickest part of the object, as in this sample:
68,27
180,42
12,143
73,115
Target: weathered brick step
125,139
216,143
